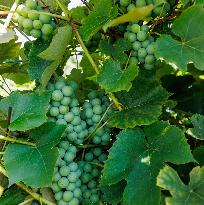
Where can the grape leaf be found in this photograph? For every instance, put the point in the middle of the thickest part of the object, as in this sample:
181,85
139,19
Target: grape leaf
116,51
190,194
55,52
119,79
102,13
142,104
28,110
138,155
37,65
9,50
198,124
34,165
78,13
198,154
113,194
190,45
6,34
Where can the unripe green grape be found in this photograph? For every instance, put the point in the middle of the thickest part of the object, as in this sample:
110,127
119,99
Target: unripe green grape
21,19
136,45
78,128
69,116
87,167
149,59
61,202
35,33
134,60
95,172
140,3
106,137
71,186
85,178
130,7
77,193
96,118
70,128
102,158
19,9
92,94
97,109
142,52
24,12
69,156
97,151
72,136
74,201
31,4
61,152
26,31
64,145
33,16
60,116
73,176
63,182
135,28
74,85
89,113
145,28
37,24
89,156
63,109
46,19
75,110
57,95
74,102
56,177
141,35
151,48
68,196
64,171
55,103
131,37
87,194
47,29
27,24
96,101
54,111
65,101
76,120
55,187
145,43
124,2
126,35
96,140
92,184
58,195
149,66
73,166
67,91
87,105
94,198
61,122
59,85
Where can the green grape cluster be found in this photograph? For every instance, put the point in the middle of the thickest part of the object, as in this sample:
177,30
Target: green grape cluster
93,44
94,112
90,174
143,45
32,23
64,109
66,182
159,9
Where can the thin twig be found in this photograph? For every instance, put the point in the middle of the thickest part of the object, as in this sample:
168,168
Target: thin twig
8,120
6,83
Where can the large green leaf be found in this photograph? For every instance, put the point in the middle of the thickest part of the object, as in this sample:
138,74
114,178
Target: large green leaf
142,104
55,52
28,110
37,65
191,194
119,79
198,124
34,165
198,154
137,156
116,50
102,13
189,46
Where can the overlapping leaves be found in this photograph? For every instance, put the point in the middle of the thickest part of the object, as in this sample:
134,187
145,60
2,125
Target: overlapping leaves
138,155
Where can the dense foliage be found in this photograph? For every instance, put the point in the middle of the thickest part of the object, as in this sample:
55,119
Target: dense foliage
124,124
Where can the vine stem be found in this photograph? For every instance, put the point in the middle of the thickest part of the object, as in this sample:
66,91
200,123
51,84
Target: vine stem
111,95
29,191
16,141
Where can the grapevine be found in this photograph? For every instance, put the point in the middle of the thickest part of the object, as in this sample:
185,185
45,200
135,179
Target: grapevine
101,103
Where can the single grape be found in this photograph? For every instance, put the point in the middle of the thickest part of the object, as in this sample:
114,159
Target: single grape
97,109
87,167
95,172
56,177
65,101
136,45
78,128
33,16
63,109
149,59
64,145
73,176
24,12
68,196
28,24
69,117
71,186
55,187
54,111
55,103
37,24
64,171
145,43
106,137
70,128
89,156
46,19
85,178
21,19
31,4
26,31
89,112
102,157
74,102
87,105
74,85
96,118
35,33
59,84
131,37
47,29
62,152
76,120
134,60
94,198
124,2
151,48
97,151
57,95
75,110
142,52
73,166
92,184
96,140
69,156
61,202
77,193
74,201
141,35
145,28
87,194
58,195
130,7
135,28
140,3
61,122
72,136
63,182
